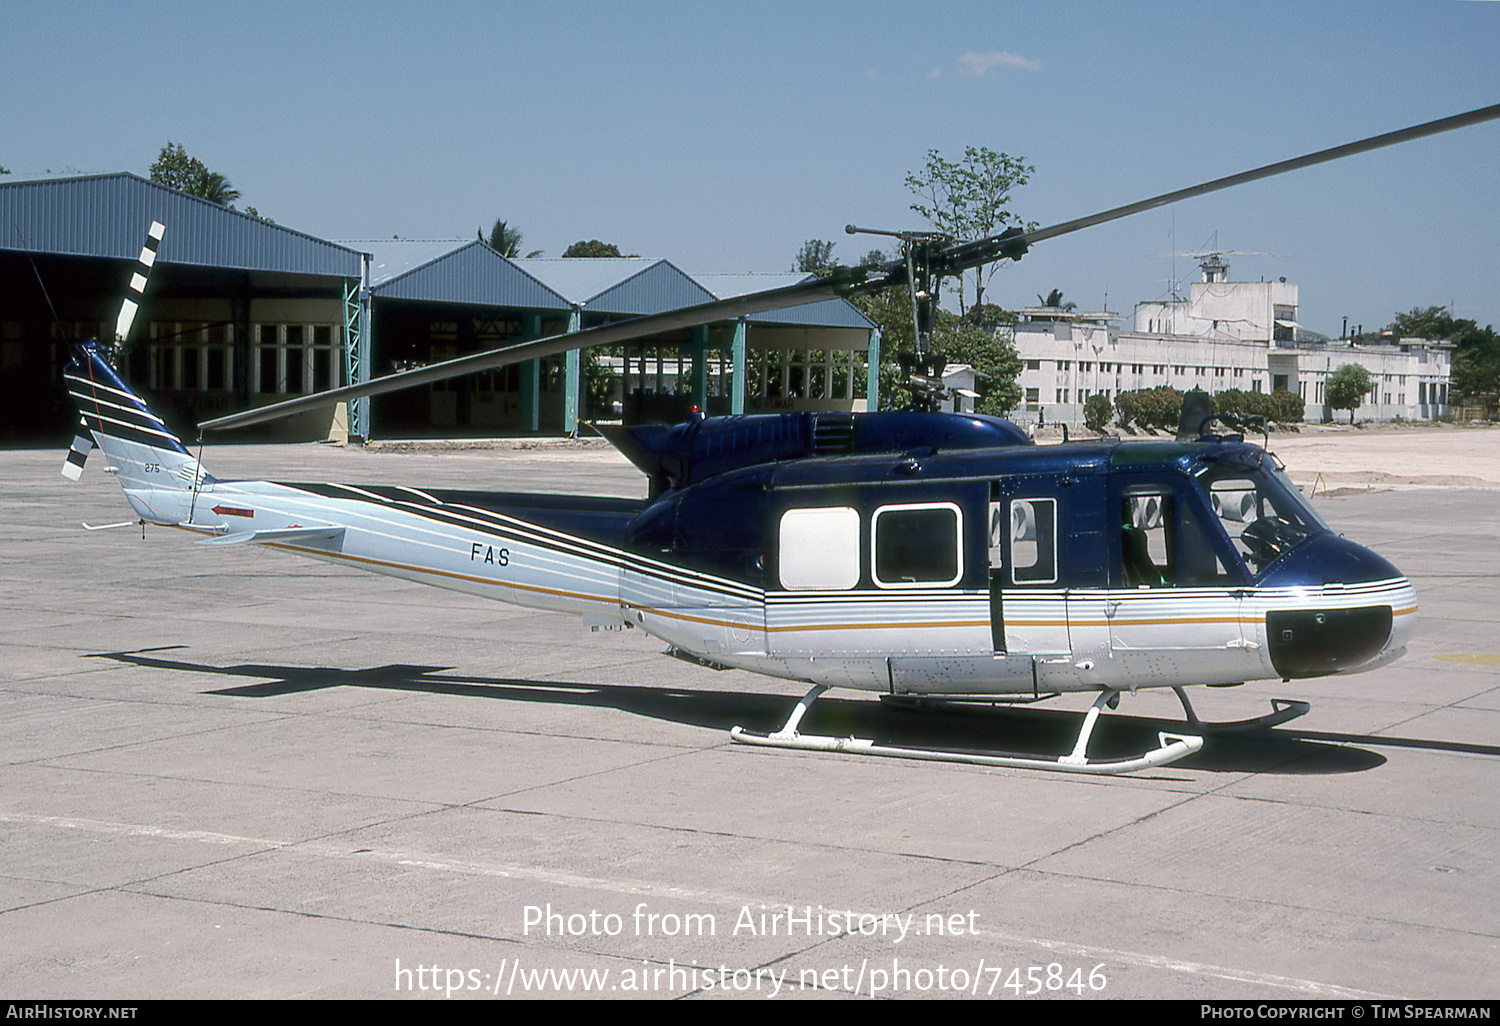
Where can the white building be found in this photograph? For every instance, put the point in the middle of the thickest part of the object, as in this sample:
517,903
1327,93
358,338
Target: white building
1224,335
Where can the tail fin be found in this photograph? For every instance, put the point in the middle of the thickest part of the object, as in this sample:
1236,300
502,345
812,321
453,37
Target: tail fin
157,472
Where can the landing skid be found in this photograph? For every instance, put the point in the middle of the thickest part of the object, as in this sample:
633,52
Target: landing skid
1282,710
1173,746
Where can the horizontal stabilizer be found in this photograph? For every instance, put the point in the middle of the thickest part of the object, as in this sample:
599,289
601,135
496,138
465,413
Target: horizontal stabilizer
279,534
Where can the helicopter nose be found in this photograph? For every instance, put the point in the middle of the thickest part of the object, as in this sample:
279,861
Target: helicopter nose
1335,606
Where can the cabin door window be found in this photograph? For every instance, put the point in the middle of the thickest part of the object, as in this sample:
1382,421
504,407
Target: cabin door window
1028,612
1173,611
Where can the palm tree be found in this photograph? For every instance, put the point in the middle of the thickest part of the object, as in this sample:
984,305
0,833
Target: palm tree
215,188
505,240
1055,299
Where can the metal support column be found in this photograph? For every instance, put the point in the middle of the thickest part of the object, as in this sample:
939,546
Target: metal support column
737,391
872,372
357,347
572,379
531,381
700,368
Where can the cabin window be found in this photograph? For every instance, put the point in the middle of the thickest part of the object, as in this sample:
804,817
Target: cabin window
1262,513
820,549
1033,541
1164,543
917,545
1147,537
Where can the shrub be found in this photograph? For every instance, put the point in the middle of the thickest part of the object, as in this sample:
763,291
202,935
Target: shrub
1097,409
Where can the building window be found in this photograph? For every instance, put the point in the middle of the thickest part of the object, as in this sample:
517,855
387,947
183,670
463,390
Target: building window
293,359
1282,330
191,357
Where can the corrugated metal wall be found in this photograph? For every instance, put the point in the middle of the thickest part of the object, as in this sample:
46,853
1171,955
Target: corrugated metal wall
107,216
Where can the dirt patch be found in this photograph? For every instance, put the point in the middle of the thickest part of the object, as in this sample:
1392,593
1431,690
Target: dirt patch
1435,457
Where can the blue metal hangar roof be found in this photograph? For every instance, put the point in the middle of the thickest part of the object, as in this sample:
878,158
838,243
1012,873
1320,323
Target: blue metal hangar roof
107,216
449,271
830,313
619,285
473,273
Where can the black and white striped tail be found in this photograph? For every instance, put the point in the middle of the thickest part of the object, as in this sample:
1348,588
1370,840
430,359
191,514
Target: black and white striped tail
78,452
109,407
132,300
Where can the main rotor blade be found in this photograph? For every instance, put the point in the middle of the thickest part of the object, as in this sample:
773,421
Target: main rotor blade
845,281
995,247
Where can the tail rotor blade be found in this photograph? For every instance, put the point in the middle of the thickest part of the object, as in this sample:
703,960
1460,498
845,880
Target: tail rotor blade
78,452
132,301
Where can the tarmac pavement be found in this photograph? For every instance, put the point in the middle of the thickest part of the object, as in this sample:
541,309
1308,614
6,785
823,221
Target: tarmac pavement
231,773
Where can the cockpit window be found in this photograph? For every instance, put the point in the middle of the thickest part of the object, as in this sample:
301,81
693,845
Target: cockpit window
1260,510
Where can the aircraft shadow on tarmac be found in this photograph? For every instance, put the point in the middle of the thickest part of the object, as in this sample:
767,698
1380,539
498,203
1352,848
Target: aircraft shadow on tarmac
985,729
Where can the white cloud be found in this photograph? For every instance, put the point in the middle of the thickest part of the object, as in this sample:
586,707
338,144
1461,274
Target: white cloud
985,65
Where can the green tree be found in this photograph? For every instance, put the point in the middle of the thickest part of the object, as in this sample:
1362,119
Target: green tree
215,188
1097,409
1476,352
1287,407
1055,299
992,355
177,169
988,315
1127,408
815,257
506,241
967,198
1347,387
1424,322
592,248
1159,408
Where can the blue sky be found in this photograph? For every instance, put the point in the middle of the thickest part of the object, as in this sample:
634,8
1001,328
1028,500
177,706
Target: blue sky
721,136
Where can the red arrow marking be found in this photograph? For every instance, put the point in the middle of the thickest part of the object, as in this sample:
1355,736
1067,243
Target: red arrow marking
230,511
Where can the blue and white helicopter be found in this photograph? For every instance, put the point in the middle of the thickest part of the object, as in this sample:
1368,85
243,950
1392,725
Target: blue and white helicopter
929,557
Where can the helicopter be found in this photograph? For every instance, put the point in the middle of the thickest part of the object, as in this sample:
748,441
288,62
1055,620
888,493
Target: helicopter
936,559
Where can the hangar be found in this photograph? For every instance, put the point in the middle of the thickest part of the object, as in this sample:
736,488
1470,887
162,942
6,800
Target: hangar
243,312
237,306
